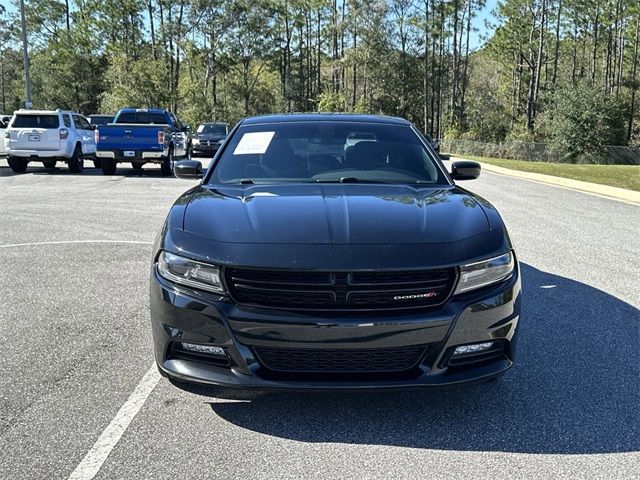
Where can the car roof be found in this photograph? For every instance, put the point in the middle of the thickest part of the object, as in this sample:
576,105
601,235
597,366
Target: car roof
43,112
150,110
324,117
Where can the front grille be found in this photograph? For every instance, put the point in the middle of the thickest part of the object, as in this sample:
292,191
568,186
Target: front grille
313,290
339,361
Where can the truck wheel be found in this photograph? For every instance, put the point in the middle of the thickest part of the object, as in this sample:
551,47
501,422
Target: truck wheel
108,166
18,165
49,163
137,165
97,163
76,163
166,167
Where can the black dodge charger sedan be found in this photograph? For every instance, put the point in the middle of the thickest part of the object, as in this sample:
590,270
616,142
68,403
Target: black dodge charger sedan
331,251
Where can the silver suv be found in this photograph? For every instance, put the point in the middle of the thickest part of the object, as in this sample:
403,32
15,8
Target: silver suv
48,136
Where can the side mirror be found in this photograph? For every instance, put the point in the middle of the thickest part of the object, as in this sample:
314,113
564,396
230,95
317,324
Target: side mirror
188,169
465,170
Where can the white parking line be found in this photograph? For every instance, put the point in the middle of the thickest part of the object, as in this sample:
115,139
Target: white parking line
63,242
93,460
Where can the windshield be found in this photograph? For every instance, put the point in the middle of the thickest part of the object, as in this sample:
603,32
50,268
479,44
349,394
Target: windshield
36,121
326,152
215,128
100,120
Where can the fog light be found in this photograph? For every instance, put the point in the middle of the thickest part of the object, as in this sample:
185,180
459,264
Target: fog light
473,348
206,349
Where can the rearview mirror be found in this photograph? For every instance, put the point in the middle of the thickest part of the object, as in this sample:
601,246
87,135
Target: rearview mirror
188,169
465,170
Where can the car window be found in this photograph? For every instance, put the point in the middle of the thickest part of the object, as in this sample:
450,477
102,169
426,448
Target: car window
326,152
67,120
77,121
100,119
176,121
85,124
142,118
213,128
36,121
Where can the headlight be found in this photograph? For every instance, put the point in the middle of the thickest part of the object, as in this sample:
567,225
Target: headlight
481,274
190,273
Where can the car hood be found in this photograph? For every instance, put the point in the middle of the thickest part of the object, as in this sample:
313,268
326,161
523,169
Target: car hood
331,214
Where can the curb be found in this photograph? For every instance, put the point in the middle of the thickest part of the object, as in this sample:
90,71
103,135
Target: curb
613,193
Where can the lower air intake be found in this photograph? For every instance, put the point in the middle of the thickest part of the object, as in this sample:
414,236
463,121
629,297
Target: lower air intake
340,360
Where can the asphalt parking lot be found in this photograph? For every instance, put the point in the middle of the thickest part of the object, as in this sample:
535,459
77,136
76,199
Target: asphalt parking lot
75,342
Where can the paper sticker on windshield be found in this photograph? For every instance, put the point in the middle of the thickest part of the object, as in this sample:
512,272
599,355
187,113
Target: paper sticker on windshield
251,143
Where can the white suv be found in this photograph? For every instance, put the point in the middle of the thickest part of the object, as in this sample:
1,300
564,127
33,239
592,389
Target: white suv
48,136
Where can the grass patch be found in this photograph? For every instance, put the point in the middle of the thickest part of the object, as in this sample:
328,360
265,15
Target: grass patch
623,176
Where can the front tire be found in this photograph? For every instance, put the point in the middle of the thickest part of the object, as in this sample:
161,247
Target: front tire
97,163
49,163
76,163
166,167
18,165
108,166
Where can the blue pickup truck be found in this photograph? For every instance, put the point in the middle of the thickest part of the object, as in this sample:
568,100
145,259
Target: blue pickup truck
139,136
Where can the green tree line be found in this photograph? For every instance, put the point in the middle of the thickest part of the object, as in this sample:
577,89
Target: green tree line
563,72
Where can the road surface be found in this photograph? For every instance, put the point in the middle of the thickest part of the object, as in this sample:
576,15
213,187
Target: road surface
76,346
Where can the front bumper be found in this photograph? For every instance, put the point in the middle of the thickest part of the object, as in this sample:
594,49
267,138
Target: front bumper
204,149
183,315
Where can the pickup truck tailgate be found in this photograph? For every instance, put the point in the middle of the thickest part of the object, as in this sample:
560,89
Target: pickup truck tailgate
129,137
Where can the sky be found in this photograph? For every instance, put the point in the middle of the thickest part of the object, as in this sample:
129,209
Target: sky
477,39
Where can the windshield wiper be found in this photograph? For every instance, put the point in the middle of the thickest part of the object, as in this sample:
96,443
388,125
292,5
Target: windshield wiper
349,180
246,181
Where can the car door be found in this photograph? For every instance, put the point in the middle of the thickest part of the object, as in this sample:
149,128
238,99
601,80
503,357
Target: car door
180,140
85,133
35,131
88,134
2,129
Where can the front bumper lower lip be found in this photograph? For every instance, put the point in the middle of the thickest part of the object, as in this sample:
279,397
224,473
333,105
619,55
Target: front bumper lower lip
194,372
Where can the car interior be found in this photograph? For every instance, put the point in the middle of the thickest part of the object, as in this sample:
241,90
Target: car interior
287,158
